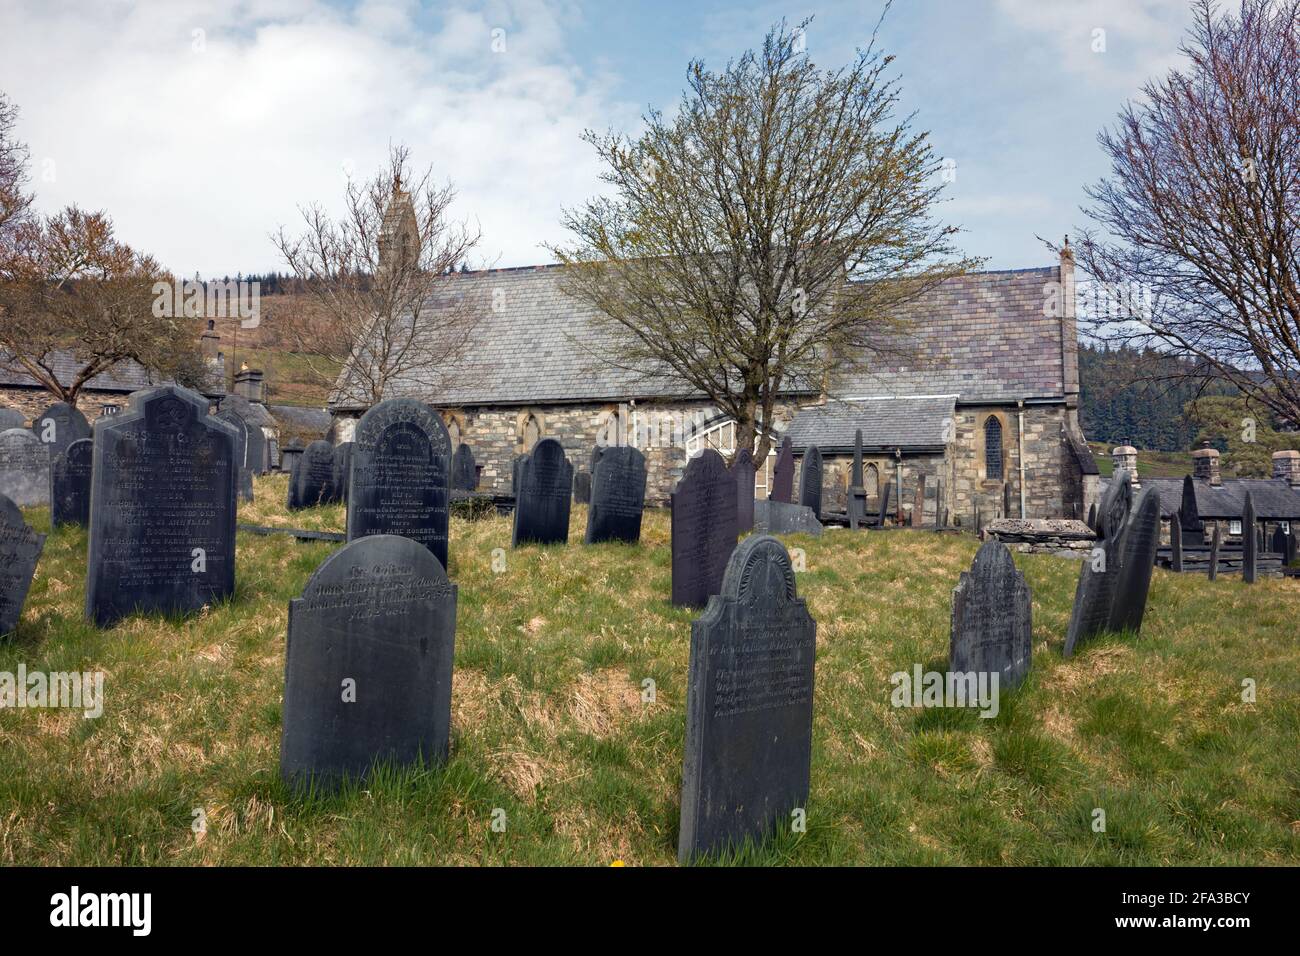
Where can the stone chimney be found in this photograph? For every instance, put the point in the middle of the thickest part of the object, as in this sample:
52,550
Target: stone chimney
1205,464
1126,457
248,385
1286,465
210,342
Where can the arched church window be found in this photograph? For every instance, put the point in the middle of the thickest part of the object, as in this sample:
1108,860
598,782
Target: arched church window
871,478
993,449
532,433
453,432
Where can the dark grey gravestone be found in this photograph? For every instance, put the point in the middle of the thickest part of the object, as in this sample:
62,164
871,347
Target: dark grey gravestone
777,517
884,503
70,484
1092,516
401,469
749,705
992,624
464,475
545,496
258,459
596,452
59,426
516,470
703,529
312,482
856,506
20,549
12,418
289,455
1176,543
617,496
742,470
1215,541
368,661
783,474
342,469
1290,550
162,508
1141,540
24,468
238,423
1094,597
810,480
245,484
1249,542
1279,542
582,488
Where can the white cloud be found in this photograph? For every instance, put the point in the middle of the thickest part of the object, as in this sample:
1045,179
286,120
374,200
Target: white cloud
199,145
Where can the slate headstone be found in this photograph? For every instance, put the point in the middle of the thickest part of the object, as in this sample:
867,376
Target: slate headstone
24,468
582,488
343,469
312,481
545,496
12,418
238,423
162,508
401,469
884,503
1094,597
1249,542
742,470
20,549
70,484
289,455
617,496
749,705
59,426
368,663
783,473
1092,516
1290,550
1141,540
810,480
704,531
777,517
464,475
992,626
1279,542
856,505
1215,541
1176,543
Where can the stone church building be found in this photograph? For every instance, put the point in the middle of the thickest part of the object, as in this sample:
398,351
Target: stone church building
981,391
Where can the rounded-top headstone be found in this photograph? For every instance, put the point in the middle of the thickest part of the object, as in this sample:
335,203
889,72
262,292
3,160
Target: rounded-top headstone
544,496
59,426
70,475
12,418
24,468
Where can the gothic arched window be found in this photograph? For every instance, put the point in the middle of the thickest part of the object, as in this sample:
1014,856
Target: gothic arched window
872,481
532,433
993,449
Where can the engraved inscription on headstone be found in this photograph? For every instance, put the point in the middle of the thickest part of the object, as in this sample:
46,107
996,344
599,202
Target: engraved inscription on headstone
749,705
162,508
20,549
464,474
312,482
1095,595
742,470
810,480
401,467
368,663
24,468
991,618
703,529
617,496
70,484
544,496
59,426
783,474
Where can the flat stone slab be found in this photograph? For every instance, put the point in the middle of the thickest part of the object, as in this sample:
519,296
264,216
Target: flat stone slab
778,517
1032,529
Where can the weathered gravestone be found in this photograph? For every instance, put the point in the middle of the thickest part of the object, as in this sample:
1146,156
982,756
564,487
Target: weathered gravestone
59,426
749,705
237,422
1290,550
992,626
581,488
1094,596
742,470
810,480
12,418
703,529
856,506
464,473
162,508
342,470
516,470
1137,563
777,517
1092,516
1278,545
70,484
24,468
20,549
368,661
1215,541
783,474
312,481
1249,542
544,496
401,467
289,455
1176,543
617,496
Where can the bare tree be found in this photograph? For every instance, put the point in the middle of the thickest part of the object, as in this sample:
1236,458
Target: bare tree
15,202
763,239
76,302
369,278
1198,227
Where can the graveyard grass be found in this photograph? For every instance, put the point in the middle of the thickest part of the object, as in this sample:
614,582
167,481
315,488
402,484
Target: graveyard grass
549,725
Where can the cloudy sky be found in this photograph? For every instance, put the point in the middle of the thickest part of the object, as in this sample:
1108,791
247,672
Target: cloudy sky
202,126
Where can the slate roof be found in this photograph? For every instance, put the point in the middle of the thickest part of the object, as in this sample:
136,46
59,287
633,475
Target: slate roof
982,337
909,423
1275,500
304,424
125,377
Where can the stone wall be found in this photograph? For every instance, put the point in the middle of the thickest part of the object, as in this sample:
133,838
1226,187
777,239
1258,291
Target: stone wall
32,401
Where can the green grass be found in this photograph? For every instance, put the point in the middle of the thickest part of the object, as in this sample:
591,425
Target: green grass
549,724
1151,464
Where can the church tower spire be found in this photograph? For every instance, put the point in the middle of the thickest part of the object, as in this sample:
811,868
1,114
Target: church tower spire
399,236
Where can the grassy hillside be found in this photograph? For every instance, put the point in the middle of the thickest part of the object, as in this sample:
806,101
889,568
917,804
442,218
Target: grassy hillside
1151,464
548,722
